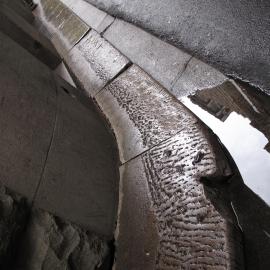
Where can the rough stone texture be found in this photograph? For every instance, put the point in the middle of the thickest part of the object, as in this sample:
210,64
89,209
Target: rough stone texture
33,239
62,24
13,218
80,176
141,112
191,233
108,20
51,243
233,36
95,62
27,115
95,18
197,76
161,60
27,36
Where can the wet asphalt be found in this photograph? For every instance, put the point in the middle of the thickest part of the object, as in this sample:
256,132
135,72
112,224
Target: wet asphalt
231,35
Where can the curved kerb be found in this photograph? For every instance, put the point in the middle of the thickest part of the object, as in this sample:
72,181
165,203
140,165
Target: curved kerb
165,219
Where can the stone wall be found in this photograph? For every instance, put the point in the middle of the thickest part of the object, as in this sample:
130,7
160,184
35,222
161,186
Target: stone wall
35,239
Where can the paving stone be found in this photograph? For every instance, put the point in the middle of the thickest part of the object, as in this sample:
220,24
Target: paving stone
108,20
28,109
95,62
35,248
141,112
197,76
161,60
95,18
62,22
190,230
80,180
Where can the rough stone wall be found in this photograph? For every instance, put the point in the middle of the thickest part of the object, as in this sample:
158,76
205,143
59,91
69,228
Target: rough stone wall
13,215
34,239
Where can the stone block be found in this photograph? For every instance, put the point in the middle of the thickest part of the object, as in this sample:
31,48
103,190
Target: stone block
62,22
95,62
106,22
161,60
141,112
95,18
197,76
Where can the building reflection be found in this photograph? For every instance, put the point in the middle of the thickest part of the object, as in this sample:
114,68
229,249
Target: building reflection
238,97
250,201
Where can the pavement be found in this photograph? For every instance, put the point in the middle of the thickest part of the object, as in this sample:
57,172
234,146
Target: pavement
232,36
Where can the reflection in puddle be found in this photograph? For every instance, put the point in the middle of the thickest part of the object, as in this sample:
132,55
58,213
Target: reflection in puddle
241,119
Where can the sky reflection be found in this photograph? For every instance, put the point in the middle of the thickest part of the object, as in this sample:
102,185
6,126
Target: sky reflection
246,145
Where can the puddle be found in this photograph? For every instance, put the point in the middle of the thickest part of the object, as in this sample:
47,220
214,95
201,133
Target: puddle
240,116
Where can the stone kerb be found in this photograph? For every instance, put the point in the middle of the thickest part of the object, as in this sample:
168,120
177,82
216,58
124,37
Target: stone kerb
164,150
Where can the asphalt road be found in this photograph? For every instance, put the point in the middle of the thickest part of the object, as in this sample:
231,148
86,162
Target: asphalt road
231,35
